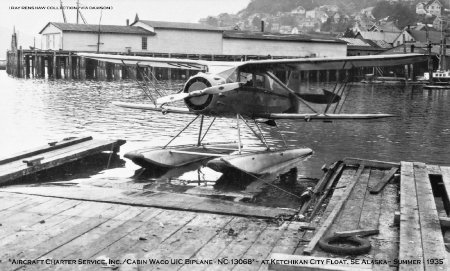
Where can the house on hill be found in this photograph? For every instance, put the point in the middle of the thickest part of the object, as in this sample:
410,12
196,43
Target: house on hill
384,26
433,7
298,11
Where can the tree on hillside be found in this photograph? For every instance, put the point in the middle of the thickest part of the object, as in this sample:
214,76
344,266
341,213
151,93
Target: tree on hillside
401,14
212,21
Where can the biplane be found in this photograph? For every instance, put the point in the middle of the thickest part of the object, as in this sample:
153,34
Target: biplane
250,92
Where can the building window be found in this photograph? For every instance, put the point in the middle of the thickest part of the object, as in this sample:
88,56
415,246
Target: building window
144,43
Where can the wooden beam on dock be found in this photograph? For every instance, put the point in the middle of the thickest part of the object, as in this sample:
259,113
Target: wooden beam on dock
377,189
332,216
42,149
335,174
370,163
410,235
432,239
13,167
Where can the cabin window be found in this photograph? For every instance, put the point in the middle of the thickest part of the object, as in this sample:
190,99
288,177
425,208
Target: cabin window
246,78
144,43
259,82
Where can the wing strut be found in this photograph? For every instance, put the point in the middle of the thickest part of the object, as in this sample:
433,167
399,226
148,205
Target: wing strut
145,89
271,75
336,92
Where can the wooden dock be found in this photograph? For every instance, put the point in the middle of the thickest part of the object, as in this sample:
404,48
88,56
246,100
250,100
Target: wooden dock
410,216
52,155
93,227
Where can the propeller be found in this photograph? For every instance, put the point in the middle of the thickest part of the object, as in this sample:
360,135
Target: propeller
209,90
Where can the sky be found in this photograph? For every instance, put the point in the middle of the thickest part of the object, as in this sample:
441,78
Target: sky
30,16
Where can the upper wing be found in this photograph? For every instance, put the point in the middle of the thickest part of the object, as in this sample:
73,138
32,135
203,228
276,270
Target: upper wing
160,62
334,63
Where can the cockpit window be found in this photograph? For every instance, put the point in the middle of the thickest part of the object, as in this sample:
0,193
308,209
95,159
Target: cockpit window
246,78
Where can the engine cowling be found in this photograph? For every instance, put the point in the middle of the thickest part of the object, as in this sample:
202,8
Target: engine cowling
200,81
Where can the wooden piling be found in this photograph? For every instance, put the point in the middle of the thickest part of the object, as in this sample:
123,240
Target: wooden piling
82,68
69,66
33,66
132,73
58,67
54,66
27,67
117,71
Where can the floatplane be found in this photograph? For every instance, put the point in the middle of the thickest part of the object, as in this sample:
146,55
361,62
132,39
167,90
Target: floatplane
249,92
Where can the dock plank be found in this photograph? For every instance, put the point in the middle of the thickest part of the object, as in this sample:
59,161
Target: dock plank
44,250
19,164
446,181
42,149
386,246
349,216
81,243
223,239
157,200
260,249
434,169
332,216
240,245
154,231
432,239
17,169
370,212
187,241
370,163
381,184
39,232
114,235
344,181
410,235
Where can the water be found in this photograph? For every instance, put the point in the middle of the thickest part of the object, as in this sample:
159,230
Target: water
36,111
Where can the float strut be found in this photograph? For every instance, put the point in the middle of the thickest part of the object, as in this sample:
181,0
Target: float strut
200,132
239,132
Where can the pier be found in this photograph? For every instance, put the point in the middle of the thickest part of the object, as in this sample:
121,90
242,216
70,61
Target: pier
68,65
54,154
402,207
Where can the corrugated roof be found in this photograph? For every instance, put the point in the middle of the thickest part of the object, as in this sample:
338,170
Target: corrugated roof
382,44
355,42
386,36
183,26
277,36
92,28
433,36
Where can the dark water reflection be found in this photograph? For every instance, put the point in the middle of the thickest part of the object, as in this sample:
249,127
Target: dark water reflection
37,111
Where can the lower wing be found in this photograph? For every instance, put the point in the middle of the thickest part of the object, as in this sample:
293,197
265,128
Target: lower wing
151,107
313,116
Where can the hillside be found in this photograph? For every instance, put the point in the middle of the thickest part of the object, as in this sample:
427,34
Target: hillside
272,7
